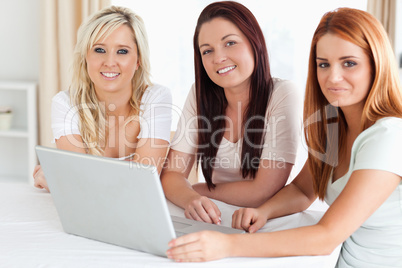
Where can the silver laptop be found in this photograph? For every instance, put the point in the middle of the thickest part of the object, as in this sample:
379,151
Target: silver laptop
112,201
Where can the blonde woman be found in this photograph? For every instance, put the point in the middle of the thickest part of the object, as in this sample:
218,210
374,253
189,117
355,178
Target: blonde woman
112,109
353,116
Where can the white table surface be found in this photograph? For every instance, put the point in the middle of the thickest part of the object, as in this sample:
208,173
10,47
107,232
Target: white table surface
31,235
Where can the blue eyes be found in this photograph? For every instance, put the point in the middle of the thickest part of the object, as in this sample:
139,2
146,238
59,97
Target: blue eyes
101,50
122,51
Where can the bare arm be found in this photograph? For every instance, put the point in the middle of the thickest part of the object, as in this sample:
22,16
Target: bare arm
71,143
295,197
151,152
148,151
180,192
364,190
270,178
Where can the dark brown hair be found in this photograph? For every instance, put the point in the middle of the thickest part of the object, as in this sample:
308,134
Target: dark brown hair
211,100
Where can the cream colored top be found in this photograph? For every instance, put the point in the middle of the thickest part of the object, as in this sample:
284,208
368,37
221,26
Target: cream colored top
284,126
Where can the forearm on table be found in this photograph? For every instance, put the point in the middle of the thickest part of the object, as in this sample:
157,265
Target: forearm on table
241,193
287,201
309,240
294,197
270,178
177,188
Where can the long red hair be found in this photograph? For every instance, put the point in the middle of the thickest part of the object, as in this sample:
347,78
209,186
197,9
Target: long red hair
325,125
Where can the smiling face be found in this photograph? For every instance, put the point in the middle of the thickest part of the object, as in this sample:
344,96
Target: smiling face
343,71
112,62
226,53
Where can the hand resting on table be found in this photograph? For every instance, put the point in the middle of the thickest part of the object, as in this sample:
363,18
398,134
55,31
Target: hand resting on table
39,178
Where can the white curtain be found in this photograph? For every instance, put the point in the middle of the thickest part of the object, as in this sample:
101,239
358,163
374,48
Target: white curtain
385,12
60,20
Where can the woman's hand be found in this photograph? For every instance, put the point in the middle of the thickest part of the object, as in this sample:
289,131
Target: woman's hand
249,219
180,192
39,178
201,208
201,246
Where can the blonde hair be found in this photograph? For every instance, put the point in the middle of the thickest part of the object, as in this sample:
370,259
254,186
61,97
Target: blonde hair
82,92
384,98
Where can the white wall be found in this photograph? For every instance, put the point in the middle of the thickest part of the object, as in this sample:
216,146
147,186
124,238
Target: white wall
20,37
398,37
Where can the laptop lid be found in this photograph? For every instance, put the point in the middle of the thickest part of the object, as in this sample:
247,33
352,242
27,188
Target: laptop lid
117,202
